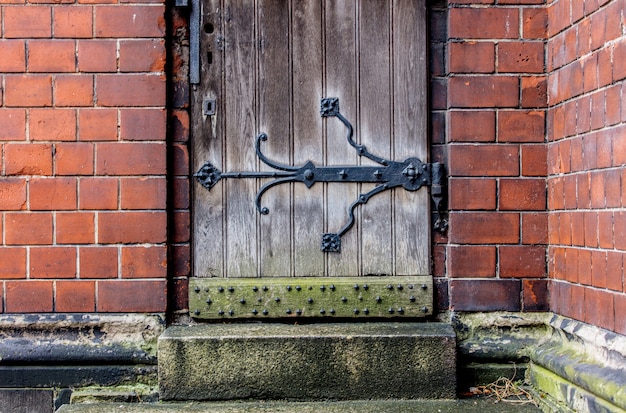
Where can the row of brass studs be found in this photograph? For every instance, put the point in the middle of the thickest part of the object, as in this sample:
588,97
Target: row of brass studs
299,312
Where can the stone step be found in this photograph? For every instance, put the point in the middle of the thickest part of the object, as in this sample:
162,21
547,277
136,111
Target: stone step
362,406
308,362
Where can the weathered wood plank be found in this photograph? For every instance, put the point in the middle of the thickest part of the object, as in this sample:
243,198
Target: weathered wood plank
307,63
274,90
207,140
341,82
240,96
411,229
375,131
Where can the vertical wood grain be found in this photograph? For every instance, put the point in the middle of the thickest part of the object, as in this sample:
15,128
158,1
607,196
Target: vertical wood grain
274,108
240,96
341,82
374,131
411,229
207,144
308,206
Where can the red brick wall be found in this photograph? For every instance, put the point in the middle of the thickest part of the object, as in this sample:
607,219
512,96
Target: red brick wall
587,153
83,156
488,125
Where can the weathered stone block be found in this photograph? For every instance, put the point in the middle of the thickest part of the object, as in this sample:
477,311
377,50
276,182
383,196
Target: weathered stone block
308,362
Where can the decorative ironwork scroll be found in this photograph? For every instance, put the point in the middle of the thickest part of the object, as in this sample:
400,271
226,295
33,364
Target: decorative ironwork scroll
411,174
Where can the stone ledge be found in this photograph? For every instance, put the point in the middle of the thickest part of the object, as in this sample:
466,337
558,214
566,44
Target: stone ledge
308,362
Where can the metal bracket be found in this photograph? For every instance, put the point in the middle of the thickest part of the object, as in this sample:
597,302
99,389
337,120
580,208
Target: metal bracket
411,174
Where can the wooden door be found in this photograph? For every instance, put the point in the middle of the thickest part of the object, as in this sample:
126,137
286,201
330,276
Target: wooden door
265,66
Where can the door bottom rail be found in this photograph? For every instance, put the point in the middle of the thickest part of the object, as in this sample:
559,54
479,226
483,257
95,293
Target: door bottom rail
311,297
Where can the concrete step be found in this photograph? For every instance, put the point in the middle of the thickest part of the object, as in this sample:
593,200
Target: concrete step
308,362
371,406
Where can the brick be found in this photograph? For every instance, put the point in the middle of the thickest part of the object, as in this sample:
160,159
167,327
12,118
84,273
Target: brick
590,72
559,263
571,265
98,193
535,295
143,124
180,260
179,195
50,194
73,90
483,91
27,22
569,110
142,55
13,54
521,126
614,270
553,229
97,56
12,194
97,124
181,226
619,55
472,126
75,228
179,124
52,124
612,187
98,262
619,147
49,56
130,90
180,161
521,57
471,57
143,193
438,94
612,105
590,223
53,262
437,60
605,226
27,228
584,266
534,160
130,21
534,23
28,90
570,185
574,304
605,67
28,159
463,262
619,228
578,228
597,116
620,310
583,114
144,262
131,227
13,123
75,297
484,228
74,159
13,262
534,91
583,45
599,308
487,23
597,190
603,148
472,194
29,296
598,269
130,158
483,160
578,10
556,199
131,296
522,261
485,295
522,194
535,228
180,295
73,22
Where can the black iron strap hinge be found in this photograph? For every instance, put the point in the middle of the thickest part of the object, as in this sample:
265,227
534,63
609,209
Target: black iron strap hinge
411,174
